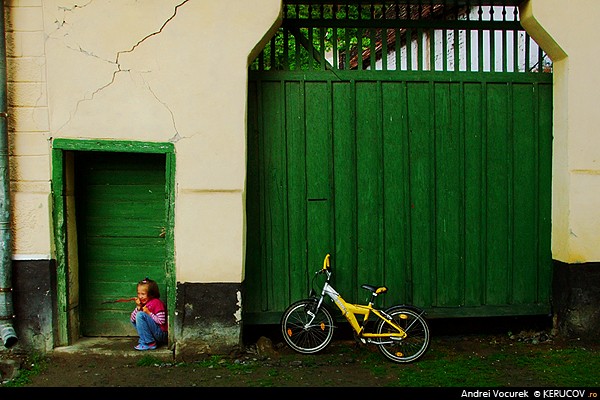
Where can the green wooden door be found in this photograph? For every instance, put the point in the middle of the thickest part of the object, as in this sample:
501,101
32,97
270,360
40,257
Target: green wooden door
121,225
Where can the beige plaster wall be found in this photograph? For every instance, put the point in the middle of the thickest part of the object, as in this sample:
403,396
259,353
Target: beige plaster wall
152,70
164,70
29,147
568,32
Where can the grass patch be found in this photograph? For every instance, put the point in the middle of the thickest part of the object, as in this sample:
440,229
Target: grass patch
566,367
216,361
34,365
148,361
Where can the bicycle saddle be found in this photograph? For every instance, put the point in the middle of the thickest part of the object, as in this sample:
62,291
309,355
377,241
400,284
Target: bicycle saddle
375,289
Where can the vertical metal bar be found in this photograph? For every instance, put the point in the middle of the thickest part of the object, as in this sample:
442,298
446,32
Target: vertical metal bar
286,45
384,40
384,49
445,39
398,46
311,51
334,39
492,43
432,46
481,50
409,46
468,33
373,51
359,42
456,44
322,47
261,60
504,43
272,55
297,46
347,40
527,45
7,330
420,49
515,41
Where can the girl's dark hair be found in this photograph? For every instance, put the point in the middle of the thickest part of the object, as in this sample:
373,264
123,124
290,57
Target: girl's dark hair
153,290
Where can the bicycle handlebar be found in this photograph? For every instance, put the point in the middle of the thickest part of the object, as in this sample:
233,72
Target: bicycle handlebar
326,264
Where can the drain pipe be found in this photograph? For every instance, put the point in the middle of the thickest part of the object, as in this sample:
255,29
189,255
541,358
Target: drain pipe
7,331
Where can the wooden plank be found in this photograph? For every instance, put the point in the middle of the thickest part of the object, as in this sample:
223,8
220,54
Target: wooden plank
499,260
254,254
525,195
299,272
369,167
318,177
474,192
422,191
543,96
344,157
448,196
396,238
273,192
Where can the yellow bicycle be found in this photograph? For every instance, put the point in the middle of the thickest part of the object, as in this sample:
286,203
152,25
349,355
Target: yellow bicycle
400,332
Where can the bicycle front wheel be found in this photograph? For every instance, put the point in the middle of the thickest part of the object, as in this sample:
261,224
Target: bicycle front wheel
414,345
302,332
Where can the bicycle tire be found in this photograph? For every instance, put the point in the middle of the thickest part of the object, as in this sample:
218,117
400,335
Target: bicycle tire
414,345
307,339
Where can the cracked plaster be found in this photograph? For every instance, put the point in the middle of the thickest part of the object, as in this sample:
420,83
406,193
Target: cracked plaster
90,44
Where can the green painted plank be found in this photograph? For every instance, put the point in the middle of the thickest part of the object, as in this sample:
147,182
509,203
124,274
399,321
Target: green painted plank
274,195
499,260
110,322
369,166
122,227
112,146
343,155
525,195
396,240
422,156
252,276
299,272
474,192
127,272
406,76
120,192
318,176
448,196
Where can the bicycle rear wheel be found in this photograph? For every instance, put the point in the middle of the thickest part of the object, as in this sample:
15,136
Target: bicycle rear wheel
301,336
414,345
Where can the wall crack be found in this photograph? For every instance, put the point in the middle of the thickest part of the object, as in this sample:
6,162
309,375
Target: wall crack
117,63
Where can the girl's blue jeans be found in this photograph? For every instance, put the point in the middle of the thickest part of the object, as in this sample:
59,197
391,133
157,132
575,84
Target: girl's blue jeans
148,330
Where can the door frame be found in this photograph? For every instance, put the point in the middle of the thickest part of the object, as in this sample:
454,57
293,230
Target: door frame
62,169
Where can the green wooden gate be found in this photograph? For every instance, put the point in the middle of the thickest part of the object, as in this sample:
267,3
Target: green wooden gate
420,159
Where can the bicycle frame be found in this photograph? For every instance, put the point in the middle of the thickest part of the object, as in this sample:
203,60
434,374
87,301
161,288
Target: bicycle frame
349,311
